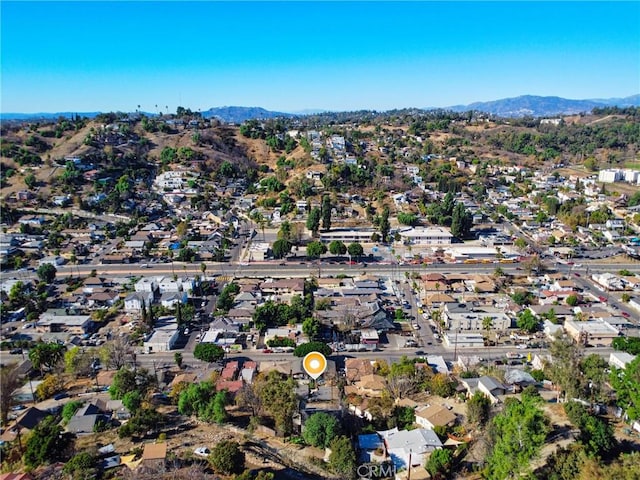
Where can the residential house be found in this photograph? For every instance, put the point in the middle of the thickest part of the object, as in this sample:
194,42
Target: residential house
134,302
146,284
408,448
356,368
489,386
432,416
369,386
171,299
86,420
620,359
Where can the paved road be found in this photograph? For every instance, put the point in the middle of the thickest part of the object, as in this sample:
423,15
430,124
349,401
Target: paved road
288,270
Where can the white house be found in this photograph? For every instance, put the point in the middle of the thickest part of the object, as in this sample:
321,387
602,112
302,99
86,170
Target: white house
620,359
410,446
146,284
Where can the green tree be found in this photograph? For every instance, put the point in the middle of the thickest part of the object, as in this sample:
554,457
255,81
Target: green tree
441,385
177,357
78,362
355,250
572,300
320,429
47,273
337,248
478,409
281,248
277,395
69,410
520,244
461,221
342,459
227,457
626,383
311,327
517,434
565,370
313,221
208,352
132,401
82,466
306,348
407,218
384,225
439,463
627,344
47,443
220,402
46,355
144,420
30,180
315,249
527,321
127,380
591,164
405,417
326,212
195,399
594,370
51,384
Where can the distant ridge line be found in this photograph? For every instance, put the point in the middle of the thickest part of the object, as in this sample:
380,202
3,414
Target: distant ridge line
524,105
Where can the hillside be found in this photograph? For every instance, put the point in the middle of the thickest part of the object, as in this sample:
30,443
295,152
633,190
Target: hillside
537,106
381,145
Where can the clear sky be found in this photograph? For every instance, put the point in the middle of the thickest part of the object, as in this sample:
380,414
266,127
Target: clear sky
290,56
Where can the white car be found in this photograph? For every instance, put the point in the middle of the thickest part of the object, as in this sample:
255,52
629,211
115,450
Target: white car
202,451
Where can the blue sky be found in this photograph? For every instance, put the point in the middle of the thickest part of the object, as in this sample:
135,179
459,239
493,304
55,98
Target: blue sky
290,56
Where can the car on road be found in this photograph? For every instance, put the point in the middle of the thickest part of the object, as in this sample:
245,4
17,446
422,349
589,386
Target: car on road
202,452
625,314
267,350
576,274
15,351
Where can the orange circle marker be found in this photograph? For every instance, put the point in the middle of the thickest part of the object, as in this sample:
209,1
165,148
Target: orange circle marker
314,363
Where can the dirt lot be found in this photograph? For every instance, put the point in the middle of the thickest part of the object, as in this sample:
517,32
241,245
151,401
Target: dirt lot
262,452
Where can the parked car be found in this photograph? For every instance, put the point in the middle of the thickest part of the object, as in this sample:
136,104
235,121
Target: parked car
202,451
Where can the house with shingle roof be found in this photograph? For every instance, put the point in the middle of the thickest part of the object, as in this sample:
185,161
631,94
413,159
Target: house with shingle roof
432,416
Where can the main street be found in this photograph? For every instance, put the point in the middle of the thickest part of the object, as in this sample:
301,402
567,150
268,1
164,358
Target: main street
303,269
161,360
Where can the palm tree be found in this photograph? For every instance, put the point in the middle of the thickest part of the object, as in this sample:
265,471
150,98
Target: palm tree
487,323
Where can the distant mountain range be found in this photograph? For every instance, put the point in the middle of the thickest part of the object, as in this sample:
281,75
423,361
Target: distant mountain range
535,106
240,114
525,105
